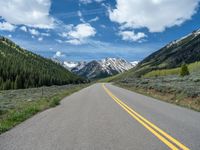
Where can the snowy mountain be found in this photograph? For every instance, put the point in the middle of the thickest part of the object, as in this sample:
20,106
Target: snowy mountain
101,68
72,65
134,63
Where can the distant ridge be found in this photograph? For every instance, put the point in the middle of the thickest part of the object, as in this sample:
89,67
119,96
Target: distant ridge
100,68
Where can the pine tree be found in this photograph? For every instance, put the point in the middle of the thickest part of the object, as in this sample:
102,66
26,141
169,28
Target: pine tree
7,85
184,70
18,83
1,83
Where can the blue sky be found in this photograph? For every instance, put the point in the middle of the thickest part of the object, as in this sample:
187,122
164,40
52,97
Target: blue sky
94,29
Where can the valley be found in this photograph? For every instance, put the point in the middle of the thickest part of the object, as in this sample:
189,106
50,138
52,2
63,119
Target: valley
99,75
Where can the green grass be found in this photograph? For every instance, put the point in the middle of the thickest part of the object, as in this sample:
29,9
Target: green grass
117,77
24,109
193,67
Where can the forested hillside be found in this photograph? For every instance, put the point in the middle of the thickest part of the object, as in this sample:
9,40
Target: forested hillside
184,50
20,68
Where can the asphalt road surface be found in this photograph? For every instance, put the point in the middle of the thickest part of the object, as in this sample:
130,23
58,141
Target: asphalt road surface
106,117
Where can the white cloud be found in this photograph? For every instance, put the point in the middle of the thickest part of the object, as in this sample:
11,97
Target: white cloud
59,54
32,13
23,28
74,41
7,26
34,32
156,15
90,1
79,13
79,34
45,34
59,41
82,31
40,39
94,19
132,36
103,26
81,16
9,35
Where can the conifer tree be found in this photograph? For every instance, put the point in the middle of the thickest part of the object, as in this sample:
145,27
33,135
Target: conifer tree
184,70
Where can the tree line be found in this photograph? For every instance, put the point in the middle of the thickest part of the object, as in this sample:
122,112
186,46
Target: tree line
20,69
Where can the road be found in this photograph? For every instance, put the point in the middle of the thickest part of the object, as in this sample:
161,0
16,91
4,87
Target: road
106,117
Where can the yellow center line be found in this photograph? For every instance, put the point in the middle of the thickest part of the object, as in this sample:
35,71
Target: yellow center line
160,134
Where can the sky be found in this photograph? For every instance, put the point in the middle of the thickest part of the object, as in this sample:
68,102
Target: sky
84,30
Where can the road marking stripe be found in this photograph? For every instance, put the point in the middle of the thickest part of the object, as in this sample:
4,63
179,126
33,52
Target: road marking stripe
147,124
158,129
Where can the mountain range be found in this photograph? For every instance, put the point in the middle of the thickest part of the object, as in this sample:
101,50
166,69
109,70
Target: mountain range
99,68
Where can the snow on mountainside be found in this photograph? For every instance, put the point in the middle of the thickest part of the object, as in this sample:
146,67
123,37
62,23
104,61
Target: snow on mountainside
101,68
179,41
119,65
134,63
71,65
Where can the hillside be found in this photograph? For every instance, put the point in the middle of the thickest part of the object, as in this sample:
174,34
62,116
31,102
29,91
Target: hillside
173,55
20,68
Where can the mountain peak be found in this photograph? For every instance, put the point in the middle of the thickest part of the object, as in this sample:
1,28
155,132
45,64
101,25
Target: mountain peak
99,68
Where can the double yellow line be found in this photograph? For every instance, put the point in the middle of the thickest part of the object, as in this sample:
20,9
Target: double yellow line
171,142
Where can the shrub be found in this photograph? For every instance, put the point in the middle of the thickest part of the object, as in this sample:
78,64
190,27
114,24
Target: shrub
55,102
184,70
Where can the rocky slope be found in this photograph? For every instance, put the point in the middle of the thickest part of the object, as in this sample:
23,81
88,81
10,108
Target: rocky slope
101,68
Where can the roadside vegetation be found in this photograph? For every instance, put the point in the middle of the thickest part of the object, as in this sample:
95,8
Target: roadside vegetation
175,71
180,85
182,91
19,105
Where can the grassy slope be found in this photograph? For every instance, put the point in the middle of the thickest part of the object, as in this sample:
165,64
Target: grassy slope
175,71
19,105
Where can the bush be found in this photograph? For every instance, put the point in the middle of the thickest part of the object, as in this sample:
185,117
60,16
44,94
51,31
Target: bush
55,102
184,70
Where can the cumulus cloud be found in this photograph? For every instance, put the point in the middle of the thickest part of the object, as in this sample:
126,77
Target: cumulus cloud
23,28
132,36
156,15
7,26
40,39
32,13
79,34
58,54
34,32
